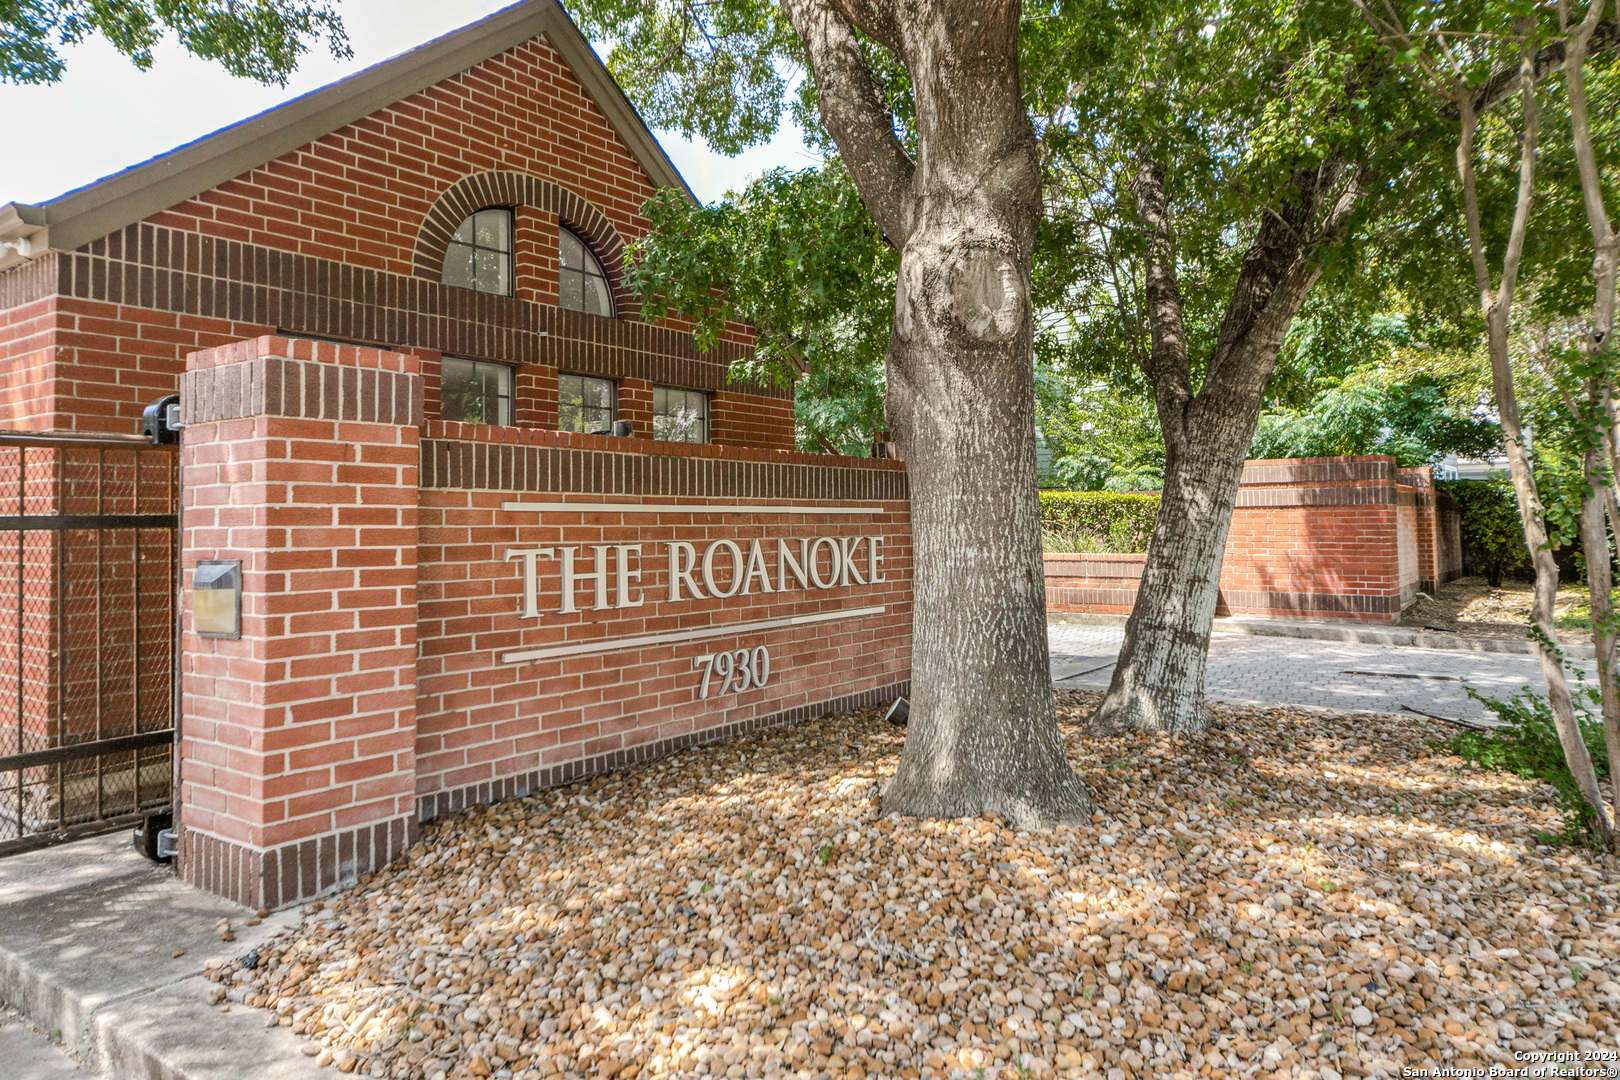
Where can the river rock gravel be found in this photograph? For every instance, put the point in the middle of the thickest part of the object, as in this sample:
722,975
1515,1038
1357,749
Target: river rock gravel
1292,894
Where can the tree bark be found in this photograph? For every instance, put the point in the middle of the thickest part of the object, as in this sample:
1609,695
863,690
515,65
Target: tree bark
1598,346
1599,585
1158,682
1495,305
983,732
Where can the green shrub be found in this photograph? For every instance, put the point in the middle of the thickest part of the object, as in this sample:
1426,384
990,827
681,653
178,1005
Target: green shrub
1492,534
1101,521
1527,744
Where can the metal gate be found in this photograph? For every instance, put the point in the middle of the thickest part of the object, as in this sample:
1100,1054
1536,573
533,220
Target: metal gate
88,550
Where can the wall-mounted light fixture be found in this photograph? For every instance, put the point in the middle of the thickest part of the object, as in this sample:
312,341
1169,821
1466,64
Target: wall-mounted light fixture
216,598
160,421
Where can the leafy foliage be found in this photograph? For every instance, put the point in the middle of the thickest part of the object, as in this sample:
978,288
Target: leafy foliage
1097,521
259,39
1527,745
1492,536
715,70
1103,436
1235,103
797,255
1412,422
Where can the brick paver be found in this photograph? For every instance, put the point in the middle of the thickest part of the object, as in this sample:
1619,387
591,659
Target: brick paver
1331,674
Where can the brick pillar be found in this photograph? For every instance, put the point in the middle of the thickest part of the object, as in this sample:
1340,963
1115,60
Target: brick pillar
298,740
1428,527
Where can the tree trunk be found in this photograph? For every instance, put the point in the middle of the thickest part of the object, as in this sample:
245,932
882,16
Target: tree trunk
1570,738
1158,682
982,734
1599,506
1495,305
1595,543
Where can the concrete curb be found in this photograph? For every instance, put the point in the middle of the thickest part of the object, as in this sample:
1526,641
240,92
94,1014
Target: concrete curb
86,935
1359,635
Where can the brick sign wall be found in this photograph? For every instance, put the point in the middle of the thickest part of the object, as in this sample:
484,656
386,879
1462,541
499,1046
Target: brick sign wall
408,642
519,691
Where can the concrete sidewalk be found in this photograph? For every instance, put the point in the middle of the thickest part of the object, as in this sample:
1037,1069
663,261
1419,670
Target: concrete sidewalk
29,1054
87,936
1344,632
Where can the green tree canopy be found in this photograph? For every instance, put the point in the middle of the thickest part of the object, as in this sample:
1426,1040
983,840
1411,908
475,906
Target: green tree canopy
798,256
258,39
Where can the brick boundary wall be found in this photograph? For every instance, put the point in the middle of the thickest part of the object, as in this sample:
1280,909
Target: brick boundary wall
293,872
1347,538
1102,584
478,456
384,674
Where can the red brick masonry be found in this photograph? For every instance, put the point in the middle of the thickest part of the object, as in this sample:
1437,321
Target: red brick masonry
1346,538
394,663
343,239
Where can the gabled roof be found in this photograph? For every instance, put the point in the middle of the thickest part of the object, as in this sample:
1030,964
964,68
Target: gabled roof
69,221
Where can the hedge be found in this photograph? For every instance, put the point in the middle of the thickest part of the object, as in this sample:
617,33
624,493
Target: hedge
1103,521
1492,534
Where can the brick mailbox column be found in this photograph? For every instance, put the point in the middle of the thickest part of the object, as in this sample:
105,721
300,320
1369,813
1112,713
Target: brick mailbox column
298,740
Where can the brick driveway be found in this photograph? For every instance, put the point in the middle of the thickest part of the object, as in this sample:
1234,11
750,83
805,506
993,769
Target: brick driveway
1331,674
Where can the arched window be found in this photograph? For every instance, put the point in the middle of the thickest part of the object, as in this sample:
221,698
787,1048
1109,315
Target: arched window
582,286
480,253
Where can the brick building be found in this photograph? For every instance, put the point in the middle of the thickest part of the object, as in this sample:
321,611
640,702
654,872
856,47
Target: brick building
490,530
335,217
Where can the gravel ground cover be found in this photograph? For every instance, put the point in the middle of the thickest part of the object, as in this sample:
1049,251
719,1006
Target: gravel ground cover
1293,894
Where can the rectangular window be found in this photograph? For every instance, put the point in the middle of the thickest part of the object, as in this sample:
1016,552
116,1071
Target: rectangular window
680,415
475,392
585,404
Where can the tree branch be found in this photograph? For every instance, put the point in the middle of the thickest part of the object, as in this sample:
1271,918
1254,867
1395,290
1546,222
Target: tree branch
1274,276
874,18
1605,237
856,114
1605,37
1166,362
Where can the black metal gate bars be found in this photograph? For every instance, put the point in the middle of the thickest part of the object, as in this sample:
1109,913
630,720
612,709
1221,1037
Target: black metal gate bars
88,549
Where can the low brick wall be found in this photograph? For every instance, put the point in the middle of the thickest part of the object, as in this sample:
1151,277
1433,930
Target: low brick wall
1101,584
1339,539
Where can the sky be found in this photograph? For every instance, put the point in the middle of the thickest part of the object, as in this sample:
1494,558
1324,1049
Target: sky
105,115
